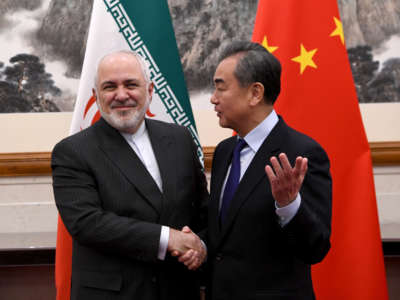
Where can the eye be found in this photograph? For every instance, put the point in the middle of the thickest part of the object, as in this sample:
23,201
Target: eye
220,87
131,84
108,87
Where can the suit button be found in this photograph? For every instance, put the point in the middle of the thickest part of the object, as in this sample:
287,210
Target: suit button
218,257
154,279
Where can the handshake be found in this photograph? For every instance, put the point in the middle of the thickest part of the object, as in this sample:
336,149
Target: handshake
187,246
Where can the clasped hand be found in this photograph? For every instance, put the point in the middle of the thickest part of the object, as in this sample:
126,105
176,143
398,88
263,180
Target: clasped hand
187,246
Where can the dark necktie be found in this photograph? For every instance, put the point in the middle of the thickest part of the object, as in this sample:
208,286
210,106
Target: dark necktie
233,180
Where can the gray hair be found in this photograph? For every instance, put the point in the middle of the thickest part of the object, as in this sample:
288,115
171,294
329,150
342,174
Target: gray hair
255,64
142,62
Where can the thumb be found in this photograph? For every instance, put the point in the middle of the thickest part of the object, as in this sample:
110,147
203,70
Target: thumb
175,253
186,229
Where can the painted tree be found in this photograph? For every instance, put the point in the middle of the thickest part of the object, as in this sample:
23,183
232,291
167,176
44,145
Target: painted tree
31,81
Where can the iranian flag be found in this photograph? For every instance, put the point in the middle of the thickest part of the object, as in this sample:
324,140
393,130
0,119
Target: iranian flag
319,98
144,27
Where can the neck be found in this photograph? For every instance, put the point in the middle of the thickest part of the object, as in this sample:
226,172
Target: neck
257,115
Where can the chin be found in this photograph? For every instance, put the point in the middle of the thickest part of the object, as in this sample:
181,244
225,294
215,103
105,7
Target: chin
125,122
223,123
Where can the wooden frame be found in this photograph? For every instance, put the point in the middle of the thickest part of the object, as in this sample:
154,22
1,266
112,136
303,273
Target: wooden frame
38,163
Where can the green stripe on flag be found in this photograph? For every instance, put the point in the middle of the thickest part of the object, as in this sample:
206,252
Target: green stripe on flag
147,28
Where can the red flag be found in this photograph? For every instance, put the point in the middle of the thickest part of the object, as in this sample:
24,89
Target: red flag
319,98
63,262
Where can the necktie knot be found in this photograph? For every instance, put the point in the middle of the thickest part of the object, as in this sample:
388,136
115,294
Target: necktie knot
240,144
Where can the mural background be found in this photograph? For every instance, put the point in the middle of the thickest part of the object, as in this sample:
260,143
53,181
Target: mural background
44,45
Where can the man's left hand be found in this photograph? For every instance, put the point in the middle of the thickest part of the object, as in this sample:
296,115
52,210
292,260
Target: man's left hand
286,181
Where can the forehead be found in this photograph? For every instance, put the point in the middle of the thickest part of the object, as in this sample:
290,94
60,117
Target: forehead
225,70
120,66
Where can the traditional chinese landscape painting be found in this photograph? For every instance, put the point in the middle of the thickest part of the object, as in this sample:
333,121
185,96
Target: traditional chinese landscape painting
43,45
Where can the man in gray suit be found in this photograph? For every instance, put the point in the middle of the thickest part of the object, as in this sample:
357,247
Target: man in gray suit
125,187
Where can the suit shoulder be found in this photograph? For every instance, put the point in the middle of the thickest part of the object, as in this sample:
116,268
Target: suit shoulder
300,136
167,128
304,142
163,124
76,139
225,143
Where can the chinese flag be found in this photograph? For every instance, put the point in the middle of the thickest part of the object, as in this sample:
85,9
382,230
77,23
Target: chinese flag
319,98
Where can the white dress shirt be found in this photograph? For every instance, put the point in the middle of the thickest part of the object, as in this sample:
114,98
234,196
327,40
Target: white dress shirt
140,143
254,140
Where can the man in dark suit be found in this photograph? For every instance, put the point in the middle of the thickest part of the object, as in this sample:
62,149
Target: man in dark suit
270,206
124,188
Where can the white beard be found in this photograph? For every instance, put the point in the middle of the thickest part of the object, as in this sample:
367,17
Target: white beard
119,120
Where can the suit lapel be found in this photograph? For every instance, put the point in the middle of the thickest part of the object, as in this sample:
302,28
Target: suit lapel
122,155
255,172
163,146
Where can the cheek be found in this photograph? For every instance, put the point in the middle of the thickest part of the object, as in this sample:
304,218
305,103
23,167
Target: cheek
139,96
106,101
101,101
226,101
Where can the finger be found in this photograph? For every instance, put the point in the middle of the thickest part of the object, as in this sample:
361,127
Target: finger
300,167
270,174
175,253
277,167
192,260
285,162
194,265
187,256
304,166
297,165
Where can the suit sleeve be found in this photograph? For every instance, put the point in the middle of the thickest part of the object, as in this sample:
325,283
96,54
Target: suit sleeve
80,207
308,233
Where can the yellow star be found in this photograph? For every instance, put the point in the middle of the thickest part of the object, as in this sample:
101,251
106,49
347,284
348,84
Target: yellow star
338,30
266,46
305,58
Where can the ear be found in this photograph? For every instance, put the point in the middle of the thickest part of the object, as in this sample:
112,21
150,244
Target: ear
151,90
94,94
257,93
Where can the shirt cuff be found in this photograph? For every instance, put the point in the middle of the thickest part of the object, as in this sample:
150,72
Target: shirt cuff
287,212
164,237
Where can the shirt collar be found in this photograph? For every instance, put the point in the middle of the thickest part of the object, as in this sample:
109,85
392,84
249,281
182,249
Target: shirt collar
137,135
256,137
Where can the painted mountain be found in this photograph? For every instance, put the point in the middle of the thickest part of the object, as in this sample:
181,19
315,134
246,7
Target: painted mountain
44,45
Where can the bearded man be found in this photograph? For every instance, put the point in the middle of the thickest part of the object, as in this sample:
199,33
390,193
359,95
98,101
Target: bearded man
125,187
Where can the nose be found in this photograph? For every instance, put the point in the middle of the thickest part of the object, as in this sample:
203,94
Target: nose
213,99
121,94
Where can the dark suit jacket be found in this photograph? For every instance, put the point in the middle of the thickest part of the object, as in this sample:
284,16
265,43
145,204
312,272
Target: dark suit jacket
114,210
252,256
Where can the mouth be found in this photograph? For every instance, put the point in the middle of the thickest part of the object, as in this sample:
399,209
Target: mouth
123,106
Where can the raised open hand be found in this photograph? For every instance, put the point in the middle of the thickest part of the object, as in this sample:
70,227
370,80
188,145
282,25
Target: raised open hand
286,181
